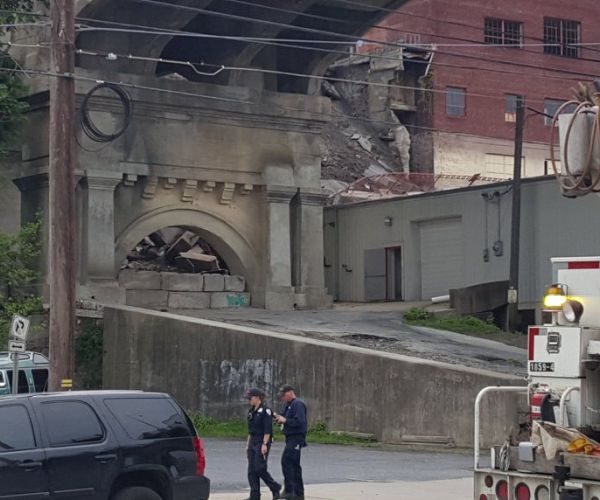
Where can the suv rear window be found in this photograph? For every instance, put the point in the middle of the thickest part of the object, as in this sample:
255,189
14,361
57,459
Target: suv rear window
149,418
16,432
71,422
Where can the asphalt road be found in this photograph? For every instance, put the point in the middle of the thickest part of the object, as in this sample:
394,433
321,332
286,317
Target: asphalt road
382,330
226,464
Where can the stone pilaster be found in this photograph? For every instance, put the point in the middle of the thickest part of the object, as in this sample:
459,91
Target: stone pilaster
100,224
310,288
279,294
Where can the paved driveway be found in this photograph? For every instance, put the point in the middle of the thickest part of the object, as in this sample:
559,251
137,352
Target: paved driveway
380,326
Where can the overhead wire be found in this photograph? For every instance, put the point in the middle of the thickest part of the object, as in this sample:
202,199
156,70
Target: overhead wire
470,42
272,41
292,27
223,67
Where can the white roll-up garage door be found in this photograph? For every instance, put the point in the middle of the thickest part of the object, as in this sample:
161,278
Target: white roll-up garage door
441,256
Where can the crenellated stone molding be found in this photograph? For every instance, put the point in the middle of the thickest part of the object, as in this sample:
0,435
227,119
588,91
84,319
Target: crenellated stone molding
225,192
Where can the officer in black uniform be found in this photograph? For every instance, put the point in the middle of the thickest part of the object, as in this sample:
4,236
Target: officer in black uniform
295,426
260,437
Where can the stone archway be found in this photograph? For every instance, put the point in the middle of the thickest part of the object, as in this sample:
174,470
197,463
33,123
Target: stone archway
234,248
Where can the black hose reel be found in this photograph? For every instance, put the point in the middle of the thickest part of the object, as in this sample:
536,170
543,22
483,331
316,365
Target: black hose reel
90,128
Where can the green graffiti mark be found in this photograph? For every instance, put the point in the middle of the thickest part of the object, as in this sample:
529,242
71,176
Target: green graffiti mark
237,300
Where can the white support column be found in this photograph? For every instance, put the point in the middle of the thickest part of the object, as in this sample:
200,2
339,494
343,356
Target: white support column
100,224
311,288
279,294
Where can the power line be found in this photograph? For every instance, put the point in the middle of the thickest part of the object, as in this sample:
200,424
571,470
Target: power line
470,42
194,65
125,84
273,41
277,42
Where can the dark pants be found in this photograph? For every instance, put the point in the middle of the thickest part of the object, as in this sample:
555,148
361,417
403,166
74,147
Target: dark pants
290,464
257,470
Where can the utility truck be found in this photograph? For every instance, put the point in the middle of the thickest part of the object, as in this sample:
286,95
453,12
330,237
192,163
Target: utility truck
559,459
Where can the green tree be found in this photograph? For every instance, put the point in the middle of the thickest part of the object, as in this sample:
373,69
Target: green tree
12,89
18,273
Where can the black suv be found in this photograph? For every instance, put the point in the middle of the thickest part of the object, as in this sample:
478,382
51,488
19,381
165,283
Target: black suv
98,445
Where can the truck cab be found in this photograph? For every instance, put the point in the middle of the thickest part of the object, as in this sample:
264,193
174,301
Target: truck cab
33,372
563,395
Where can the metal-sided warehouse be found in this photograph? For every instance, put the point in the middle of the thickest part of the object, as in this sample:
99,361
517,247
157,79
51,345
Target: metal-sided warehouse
417,247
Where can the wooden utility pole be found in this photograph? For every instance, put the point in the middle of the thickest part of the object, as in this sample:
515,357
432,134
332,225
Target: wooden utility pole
513,308
62,253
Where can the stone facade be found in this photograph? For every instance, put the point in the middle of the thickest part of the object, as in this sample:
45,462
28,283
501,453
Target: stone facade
232,155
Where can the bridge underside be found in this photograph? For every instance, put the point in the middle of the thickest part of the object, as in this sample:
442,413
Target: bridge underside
235,156
280,36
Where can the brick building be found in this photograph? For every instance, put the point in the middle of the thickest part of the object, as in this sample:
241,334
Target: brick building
487,54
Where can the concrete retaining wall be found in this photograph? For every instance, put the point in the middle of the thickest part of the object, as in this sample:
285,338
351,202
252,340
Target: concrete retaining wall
207,366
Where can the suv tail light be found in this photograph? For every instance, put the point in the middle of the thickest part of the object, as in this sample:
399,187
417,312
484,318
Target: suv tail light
200,456
522,492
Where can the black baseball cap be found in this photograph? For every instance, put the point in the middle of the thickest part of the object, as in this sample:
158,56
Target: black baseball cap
286,388
254,391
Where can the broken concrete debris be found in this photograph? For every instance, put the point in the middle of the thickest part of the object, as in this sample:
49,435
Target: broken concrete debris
175,269
174,249
196,261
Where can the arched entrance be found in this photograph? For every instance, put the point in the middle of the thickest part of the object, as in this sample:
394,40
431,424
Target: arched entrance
181,258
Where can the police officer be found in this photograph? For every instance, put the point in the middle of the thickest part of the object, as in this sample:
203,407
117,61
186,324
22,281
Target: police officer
258,444
295,425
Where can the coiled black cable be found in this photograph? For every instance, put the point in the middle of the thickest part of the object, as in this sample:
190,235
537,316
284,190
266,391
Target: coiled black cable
89,127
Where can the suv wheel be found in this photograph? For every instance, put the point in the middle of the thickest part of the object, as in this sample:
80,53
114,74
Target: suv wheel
137,493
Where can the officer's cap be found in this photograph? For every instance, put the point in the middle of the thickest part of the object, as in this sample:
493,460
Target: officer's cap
254,391
285,388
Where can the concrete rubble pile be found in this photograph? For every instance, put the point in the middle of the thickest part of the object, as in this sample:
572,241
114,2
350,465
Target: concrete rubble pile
174,269
176,250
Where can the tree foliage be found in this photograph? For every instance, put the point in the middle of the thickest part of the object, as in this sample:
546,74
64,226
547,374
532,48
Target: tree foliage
19,255
12,89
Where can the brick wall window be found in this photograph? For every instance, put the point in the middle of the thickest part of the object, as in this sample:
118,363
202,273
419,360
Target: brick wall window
502,165
503,32
510,107
561,37
455,101
551,107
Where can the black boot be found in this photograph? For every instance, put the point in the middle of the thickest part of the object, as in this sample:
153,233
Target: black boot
277,493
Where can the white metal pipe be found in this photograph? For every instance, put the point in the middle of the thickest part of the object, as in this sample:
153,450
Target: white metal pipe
440,298
562,405
483,392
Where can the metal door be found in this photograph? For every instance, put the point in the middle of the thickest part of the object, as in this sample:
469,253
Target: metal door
441,256
375,279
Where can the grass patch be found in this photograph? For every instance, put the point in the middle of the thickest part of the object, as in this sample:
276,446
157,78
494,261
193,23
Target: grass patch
461,324
237,428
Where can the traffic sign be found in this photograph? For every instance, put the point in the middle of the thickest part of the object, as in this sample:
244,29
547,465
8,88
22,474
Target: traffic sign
19,327
16,346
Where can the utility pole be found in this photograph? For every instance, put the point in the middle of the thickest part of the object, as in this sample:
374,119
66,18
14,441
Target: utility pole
513,307
62,254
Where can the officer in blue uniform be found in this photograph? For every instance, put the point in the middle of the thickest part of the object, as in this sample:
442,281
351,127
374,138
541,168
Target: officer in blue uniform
258,444
295,426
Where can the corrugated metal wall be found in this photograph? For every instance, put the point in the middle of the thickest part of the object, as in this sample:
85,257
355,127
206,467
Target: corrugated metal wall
551,226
